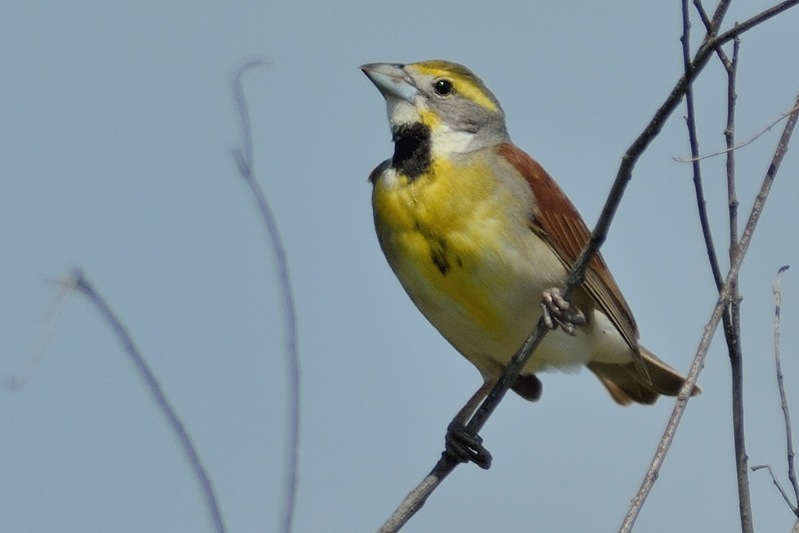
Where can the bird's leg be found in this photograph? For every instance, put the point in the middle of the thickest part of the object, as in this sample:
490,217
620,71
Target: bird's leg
558,312
462,445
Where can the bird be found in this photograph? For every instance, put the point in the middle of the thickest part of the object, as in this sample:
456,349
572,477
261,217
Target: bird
481,237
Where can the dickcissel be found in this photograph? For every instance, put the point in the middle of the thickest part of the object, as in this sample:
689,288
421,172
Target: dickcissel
477,231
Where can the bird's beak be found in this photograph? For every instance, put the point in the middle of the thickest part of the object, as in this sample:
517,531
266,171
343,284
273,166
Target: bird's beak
392,80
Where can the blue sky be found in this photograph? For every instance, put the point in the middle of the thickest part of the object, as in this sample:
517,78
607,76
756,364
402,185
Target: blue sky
116,130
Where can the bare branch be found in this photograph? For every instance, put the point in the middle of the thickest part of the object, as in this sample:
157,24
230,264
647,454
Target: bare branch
699,191
753,21
82,285
417,497
445,465
732,318
710,327
681,403
710,29
776,484
753,138
244,160
781,387
718,16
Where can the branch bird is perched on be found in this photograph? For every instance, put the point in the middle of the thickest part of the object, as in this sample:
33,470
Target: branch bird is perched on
480,236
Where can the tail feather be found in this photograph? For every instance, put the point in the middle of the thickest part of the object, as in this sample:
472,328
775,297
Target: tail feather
627,383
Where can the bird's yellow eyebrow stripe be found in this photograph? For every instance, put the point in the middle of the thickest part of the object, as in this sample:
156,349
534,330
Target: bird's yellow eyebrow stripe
464,83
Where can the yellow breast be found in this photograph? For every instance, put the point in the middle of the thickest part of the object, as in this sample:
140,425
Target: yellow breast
446,236
459,239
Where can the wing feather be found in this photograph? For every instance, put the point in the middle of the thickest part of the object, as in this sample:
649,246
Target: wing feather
558,222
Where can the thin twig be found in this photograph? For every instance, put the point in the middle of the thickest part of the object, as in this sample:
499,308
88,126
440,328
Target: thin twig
750,23
781,386
445,465
710,327
718,16
43,340
416,498
732,318
699,191
756,136
710,29
731,315
244,160
189,449
777,290
729,137
776,484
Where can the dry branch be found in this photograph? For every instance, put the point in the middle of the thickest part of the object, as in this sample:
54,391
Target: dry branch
244,160
710,327
793,505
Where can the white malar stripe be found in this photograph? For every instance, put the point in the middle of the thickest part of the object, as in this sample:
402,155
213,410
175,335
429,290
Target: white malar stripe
401,112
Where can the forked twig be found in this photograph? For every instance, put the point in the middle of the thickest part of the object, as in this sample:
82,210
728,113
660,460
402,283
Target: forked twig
776,484
731,315
710,327
738,146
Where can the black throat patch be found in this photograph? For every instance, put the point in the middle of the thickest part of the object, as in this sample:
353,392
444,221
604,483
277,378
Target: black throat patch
412,150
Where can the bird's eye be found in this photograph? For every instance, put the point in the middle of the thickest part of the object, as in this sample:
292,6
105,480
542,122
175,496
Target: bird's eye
442,87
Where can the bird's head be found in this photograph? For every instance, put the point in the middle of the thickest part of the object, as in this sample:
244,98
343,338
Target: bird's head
442,99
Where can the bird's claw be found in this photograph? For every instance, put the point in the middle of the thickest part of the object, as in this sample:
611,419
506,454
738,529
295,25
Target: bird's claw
463,446
558,312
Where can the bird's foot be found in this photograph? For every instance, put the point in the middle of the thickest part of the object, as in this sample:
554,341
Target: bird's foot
558,312
463,446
